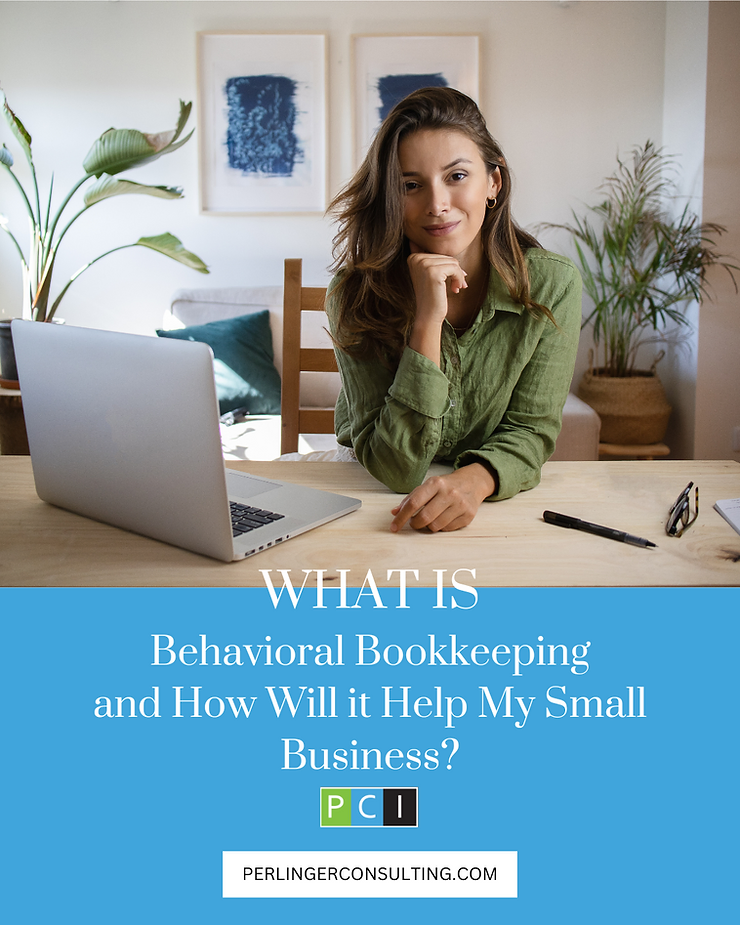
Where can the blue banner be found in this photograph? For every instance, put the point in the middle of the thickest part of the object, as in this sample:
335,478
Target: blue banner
592,732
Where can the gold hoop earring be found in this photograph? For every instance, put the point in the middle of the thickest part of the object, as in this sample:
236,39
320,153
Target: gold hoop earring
490,204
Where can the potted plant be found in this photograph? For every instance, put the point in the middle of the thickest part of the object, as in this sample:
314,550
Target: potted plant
643,263
115,151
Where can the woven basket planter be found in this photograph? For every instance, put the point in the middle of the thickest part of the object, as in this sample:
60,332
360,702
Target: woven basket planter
633,410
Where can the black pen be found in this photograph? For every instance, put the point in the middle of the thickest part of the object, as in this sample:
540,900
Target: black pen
562,520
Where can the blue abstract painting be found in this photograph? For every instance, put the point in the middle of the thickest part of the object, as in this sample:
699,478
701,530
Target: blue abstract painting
261,114
394,87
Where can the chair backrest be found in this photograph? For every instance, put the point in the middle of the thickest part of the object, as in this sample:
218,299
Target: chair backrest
296,359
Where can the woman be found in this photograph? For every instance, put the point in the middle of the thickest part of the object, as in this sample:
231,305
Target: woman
455,331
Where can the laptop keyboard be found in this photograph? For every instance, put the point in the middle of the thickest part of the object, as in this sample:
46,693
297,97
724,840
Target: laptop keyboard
245,518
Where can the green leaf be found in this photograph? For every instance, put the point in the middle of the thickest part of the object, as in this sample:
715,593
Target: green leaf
6,157
182,119
17,128
171,246
121,149
41,296
108,186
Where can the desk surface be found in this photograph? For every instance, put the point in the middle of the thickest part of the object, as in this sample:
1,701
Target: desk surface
508,544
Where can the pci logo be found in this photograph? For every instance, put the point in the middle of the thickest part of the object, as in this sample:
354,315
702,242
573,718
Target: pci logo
369,806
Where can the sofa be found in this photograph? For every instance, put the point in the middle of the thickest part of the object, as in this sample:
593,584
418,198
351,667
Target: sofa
257,437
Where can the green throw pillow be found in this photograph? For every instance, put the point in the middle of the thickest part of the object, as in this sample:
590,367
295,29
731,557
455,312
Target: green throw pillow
245,373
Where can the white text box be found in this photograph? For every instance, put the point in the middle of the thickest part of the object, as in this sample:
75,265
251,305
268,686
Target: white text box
381,874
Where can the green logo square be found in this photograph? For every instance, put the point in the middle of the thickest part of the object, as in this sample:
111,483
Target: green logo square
336,806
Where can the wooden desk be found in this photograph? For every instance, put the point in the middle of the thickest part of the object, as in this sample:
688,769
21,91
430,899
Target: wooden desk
508,544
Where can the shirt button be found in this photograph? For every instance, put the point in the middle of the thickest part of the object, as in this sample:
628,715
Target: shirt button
452,404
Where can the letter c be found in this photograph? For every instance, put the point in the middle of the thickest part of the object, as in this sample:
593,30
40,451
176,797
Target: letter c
368,796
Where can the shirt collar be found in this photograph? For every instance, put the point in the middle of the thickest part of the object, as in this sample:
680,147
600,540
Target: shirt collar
498,298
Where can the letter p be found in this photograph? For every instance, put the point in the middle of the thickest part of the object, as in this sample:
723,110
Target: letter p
335,802
336,808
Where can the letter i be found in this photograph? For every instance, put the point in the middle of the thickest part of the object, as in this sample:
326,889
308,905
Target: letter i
440,589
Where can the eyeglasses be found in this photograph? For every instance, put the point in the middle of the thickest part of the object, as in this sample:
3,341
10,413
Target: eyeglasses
680,517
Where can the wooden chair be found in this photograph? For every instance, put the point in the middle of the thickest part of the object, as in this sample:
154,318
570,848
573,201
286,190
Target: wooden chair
296,359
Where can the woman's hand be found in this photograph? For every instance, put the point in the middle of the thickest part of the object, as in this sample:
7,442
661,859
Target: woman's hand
446,502
431,275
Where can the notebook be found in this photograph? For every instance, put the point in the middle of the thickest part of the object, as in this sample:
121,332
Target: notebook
729,508
124,429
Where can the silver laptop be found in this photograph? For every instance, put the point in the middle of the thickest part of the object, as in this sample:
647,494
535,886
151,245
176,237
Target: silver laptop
124,429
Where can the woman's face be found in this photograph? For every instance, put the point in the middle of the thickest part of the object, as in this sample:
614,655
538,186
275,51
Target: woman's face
447,185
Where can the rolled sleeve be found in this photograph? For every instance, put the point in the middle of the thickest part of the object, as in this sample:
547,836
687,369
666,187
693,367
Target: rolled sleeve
420,385
392,419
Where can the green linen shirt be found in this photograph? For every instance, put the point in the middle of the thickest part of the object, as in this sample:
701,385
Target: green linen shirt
497,396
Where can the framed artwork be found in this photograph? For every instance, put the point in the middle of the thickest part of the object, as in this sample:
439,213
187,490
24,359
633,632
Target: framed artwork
389,67
262,122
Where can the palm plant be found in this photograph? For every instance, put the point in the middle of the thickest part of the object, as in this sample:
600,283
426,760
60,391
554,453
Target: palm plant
641,265
115,151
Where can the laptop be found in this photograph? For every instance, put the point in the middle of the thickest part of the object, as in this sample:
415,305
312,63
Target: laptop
124,429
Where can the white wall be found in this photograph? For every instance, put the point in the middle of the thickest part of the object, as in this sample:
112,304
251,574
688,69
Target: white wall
563,88
718,363
684,115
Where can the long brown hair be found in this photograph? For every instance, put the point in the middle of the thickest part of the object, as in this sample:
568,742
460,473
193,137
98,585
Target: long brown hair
376,299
